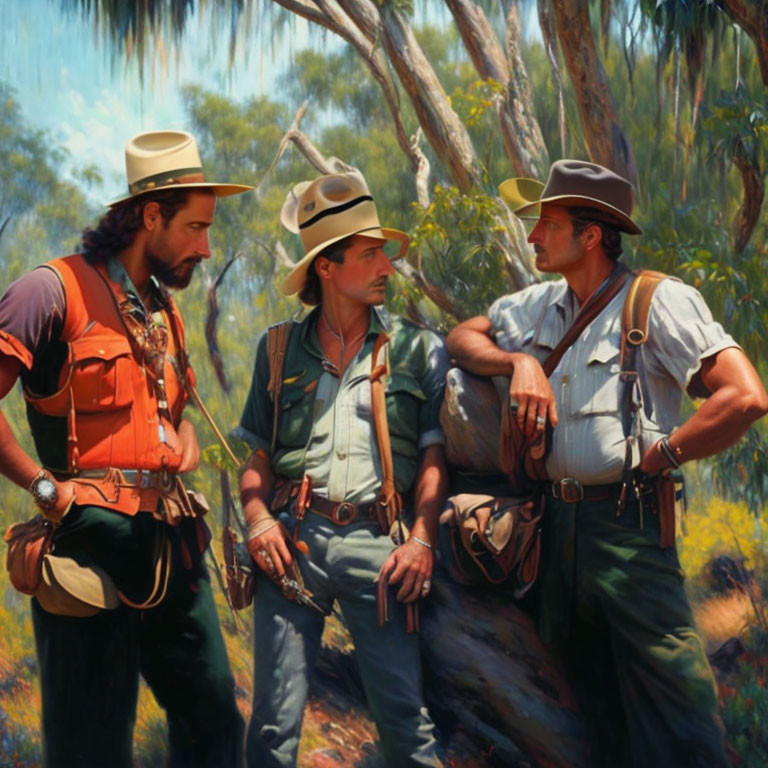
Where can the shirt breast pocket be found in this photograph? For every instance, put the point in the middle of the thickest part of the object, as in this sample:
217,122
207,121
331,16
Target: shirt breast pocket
599,393
404,397
295,416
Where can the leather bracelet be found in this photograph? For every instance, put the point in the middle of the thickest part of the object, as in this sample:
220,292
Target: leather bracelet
672,455
422,542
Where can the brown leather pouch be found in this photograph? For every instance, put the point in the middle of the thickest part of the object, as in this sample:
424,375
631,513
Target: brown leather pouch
665,499
28,543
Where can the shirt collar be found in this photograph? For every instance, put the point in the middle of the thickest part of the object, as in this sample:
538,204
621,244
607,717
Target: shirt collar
118,274
380,322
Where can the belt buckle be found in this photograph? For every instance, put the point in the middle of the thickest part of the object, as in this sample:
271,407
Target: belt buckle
344,513
571,490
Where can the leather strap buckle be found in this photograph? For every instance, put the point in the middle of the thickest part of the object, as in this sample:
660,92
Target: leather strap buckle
344,513
568,490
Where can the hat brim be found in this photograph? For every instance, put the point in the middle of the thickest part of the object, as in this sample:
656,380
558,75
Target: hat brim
522,196
220,190
295,279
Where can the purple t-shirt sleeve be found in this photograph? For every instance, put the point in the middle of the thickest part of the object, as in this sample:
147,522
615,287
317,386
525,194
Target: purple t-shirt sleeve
32,315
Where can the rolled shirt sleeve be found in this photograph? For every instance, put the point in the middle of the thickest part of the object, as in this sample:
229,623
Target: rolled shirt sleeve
255,427
31,316
437,363
681,333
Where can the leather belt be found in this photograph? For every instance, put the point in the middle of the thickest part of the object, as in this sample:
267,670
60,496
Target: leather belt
342,512
161,479
571,491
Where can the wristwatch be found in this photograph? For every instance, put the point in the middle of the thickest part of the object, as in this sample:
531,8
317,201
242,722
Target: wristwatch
44,491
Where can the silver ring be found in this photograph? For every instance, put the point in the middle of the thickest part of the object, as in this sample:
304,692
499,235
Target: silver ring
540,420
263,553
426,585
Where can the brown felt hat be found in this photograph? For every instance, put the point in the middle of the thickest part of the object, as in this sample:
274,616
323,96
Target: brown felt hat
327,210
574,183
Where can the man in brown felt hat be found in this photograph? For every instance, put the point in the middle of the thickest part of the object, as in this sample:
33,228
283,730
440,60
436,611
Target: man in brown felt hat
611,590
98,344
321,492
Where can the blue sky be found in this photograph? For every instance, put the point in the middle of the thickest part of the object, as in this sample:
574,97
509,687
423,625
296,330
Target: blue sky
67,82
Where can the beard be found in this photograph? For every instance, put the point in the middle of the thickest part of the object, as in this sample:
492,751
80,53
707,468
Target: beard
178,276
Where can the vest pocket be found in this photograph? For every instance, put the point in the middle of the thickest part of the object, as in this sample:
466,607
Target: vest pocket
102,373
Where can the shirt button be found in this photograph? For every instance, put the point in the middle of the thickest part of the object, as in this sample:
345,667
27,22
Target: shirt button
341,455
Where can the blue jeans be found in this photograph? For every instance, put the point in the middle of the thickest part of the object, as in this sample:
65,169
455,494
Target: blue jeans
342,564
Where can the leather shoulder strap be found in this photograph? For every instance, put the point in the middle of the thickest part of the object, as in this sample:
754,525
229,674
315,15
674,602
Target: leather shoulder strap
637,308
594,306
388,497
277,341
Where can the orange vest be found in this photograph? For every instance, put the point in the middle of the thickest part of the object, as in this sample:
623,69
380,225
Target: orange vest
105,394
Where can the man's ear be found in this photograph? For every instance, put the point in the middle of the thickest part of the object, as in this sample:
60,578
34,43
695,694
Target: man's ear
151,215
592,236
323,268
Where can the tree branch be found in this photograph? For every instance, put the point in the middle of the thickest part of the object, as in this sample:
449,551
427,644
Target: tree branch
520,130
599,117
752,17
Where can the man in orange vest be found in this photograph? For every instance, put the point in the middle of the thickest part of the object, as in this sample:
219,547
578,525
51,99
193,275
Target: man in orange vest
98,345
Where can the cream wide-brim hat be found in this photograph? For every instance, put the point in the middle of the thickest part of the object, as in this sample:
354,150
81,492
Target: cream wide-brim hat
574,183
157,160
327,210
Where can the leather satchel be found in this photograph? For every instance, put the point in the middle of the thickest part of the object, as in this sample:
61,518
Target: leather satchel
493,539
28,544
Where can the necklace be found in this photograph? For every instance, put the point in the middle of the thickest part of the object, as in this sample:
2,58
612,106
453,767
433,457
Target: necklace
337,336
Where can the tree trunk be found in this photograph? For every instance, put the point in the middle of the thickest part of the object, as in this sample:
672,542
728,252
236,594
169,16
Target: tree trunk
487,672
754,193
605,140
520,130
440,123
752,17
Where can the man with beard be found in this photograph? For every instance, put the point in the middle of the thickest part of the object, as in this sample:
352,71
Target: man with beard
98,344
322,479
612,598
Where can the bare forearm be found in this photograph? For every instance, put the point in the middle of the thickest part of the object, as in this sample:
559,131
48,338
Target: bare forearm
474,351
15,463
719,423
255,488
430,494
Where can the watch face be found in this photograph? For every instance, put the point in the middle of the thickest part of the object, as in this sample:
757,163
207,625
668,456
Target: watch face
46,490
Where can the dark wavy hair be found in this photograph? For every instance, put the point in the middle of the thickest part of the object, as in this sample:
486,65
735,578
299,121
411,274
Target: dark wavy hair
583,217
311,294
117,228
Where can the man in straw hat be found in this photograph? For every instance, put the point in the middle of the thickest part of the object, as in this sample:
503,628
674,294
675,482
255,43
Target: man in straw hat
98,345
611,592
321,490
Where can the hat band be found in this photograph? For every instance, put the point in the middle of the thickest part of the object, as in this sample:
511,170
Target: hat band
180,176
337,209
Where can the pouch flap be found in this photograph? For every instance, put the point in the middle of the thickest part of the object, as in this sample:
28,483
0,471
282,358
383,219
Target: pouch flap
90,585
101,347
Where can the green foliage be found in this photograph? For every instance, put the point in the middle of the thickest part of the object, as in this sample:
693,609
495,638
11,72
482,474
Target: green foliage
454,244
473,102
738,123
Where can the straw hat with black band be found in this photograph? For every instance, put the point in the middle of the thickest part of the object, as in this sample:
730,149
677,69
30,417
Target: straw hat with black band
157,160
327,210
575,183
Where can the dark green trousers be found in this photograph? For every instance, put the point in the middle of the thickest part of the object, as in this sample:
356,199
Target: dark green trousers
90,667
612,603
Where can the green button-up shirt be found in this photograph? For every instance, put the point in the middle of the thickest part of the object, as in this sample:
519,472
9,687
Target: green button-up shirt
326,427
